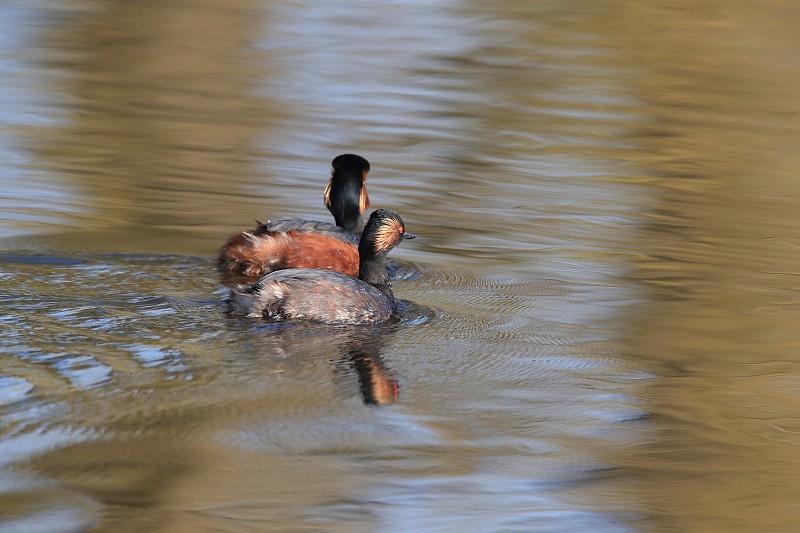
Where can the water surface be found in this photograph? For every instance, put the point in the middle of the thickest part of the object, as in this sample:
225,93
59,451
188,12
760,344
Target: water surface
598,326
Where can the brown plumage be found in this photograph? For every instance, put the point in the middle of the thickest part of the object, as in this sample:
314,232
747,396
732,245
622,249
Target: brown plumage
256,255
298,243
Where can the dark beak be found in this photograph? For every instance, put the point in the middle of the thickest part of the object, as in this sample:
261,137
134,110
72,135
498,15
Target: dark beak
409,235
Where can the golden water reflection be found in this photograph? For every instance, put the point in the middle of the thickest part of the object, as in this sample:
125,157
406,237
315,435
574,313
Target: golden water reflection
164,114
720,263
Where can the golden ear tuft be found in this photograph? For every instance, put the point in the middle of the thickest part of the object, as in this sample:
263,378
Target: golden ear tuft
388,234
327,194
363,199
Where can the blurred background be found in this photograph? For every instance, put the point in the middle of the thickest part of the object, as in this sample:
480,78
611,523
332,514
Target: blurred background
599,320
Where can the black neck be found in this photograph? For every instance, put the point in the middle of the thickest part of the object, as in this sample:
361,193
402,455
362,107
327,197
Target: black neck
372,269
345,198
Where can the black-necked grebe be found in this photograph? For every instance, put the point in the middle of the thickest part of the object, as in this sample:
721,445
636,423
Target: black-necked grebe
297,243
330,297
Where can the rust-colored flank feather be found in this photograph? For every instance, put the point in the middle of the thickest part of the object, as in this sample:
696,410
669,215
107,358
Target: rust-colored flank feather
308,250
245,253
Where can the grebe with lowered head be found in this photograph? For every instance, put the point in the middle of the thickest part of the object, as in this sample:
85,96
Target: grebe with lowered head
299,243
330,297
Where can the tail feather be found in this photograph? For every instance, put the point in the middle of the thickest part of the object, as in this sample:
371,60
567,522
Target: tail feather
259,300
253,255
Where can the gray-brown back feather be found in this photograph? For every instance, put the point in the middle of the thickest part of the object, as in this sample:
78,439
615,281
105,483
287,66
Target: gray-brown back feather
283,225
312,294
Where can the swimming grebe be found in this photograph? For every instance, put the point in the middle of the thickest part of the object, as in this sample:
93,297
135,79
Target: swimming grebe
298,243
330,297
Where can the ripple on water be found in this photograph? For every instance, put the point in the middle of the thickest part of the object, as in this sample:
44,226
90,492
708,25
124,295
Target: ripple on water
13,390
39,259
82,371
516,314
469,306
477,503
75,323
410,314
404,270
45,507
527,359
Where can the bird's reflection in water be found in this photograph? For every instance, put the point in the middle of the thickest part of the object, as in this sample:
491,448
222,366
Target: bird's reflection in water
378,383
350,349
